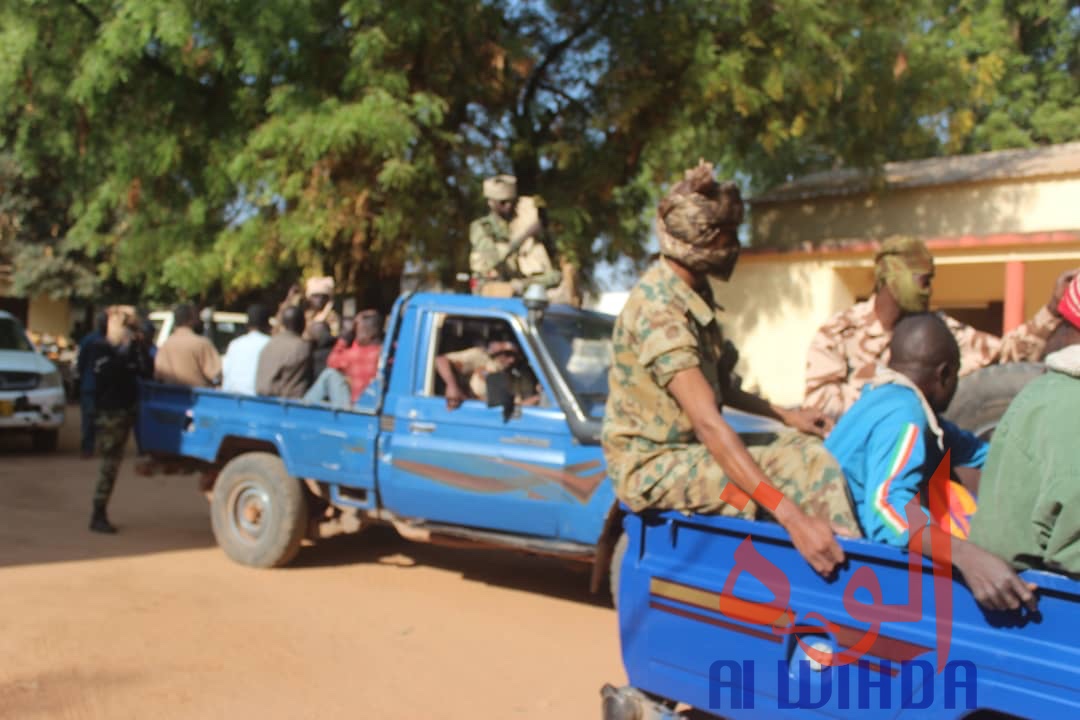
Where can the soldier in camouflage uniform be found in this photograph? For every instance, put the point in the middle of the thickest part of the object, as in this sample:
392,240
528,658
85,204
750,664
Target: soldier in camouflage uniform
666,443
123,358
507,244
847,350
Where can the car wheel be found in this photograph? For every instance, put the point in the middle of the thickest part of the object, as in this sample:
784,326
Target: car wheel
258,512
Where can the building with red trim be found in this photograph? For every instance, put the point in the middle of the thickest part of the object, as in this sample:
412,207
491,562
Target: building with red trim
1002,226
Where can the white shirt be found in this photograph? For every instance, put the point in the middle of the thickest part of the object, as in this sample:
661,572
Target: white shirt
241,361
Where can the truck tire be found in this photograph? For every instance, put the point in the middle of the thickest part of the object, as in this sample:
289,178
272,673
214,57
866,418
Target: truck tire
615,569
45,440
258,512
983,396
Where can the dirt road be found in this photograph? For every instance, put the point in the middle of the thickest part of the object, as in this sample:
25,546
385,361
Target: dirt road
156,623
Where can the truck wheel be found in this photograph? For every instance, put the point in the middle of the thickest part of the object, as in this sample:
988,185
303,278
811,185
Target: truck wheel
983,396
615,570
258,512
45,440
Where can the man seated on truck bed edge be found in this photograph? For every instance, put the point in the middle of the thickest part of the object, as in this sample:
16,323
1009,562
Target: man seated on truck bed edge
1029,509
666,442
892,439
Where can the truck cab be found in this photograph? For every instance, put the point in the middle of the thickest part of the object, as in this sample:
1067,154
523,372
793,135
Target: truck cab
527,477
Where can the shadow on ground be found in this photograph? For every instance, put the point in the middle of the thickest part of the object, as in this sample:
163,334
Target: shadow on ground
554,577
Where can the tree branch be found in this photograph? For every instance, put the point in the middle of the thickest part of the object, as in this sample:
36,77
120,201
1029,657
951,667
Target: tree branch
87,13
564,95
553,54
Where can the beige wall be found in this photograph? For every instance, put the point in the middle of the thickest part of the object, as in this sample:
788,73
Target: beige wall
775,303
49,316
772,309
1038,205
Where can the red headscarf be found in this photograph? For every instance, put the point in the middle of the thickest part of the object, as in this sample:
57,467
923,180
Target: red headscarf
1069,307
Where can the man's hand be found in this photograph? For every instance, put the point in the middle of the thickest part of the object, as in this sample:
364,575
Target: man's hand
454,396
1060,287
808,420
812,537
995,585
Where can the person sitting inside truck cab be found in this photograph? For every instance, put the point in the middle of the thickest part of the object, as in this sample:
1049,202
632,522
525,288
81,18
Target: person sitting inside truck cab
892,440
465,373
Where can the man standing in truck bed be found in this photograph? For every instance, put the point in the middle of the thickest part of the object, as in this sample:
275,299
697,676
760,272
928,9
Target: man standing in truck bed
666,443
507,246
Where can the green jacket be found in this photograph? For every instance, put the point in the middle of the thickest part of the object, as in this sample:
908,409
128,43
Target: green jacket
1029,495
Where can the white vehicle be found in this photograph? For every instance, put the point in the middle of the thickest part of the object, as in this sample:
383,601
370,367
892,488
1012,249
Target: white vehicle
221,328
31,389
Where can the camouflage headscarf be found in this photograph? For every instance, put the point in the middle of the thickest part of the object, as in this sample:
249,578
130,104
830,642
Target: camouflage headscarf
895,265
689,220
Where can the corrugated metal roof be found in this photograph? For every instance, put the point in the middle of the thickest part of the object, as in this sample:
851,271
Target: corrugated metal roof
1047,161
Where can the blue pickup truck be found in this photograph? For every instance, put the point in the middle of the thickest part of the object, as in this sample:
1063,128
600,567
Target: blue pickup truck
724,615
528,478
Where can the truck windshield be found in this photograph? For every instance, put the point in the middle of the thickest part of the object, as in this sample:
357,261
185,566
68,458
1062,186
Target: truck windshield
12,336
581,347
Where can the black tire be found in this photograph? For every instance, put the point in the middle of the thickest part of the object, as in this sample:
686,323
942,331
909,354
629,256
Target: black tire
983,396
45,440
615,569
259,513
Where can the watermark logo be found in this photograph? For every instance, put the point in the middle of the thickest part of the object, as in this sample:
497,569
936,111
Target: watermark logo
732,686
777,613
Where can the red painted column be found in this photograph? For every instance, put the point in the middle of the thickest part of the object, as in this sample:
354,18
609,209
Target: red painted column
1014,295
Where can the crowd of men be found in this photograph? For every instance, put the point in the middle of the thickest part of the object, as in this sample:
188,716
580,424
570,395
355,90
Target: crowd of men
308,353
863,450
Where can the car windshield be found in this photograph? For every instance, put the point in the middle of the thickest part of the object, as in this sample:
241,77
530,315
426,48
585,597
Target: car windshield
581,347
12,336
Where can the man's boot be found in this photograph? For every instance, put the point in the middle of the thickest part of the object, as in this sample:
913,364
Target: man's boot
99,521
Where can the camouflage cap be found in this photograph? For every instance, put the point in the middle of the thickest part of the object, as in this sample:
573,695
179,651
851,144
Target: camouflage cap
693,215
911,251
699,206
898,260
500,187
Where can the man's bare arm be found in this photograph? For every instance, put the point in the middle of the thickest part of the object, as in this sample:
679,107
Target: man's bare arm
812,537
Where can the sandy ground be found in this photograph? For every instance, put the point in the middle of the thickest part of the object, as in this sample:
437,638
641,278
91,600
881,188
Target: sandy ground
157,623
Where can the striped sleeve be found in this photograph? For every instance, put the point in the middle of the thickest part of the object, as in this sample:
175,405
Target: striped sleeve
897,455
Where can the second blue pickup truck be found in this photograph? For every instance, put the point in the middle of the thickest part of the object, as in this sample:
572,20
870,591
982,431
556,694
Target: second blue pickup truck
528,478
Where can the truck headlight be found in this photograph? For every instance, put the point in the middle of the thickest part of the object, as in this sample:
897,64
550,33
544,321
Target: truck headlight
50,380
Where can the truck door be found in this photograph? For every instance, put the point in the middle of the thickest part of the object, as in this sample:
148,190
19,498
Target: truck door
471,466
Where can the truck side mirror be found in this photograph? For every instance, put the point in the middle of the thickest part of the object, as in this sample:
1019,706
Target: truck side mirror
499,393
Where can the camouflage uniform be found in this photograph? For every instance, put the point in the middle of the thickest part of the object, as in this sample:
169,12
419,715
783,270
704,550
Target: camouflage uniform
113,429
489,238
846,351
654,458
492,256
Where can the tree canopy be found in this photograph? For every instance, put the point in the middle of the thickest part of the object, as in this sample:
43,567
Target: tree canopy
168,148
